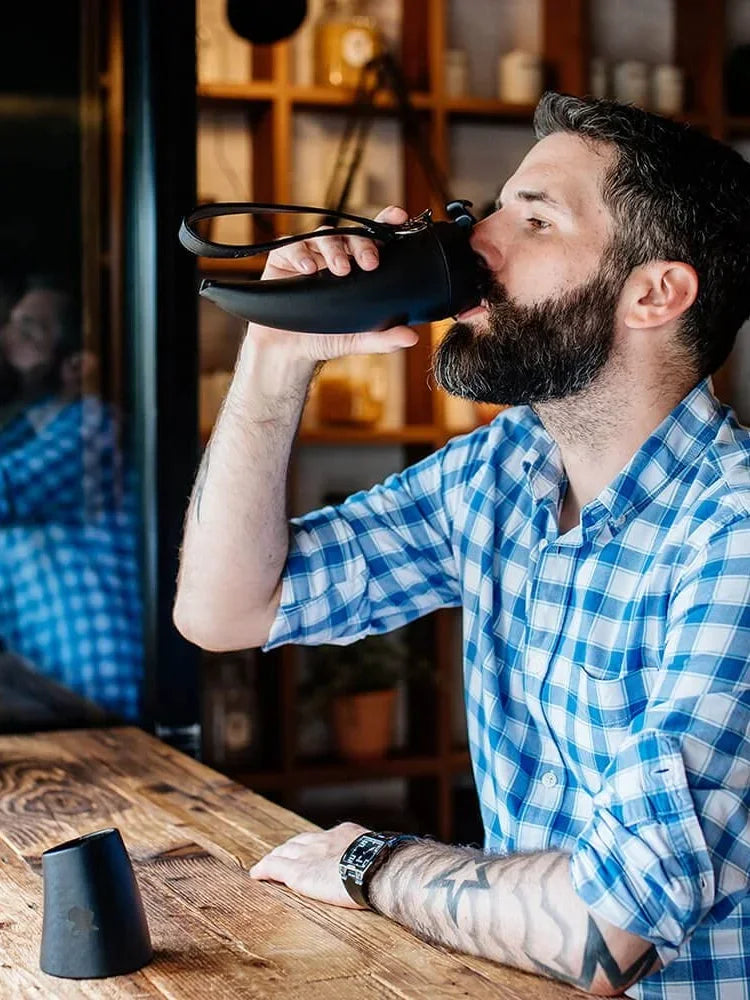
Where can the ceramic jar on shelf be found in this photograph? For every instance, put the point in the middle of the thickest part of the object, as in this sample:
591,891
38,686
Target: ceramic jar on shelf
520,77
456,73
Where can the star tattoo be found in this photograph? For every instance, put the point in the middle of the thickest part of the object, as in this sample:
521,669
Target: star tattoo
454,891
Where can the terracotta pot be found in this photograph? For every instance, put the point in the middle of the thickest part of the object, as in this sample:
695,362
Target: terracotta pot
363,723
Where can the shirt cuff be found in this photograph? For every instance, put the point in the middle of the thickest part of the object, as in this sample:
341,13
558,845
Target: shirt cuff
282,628
642,863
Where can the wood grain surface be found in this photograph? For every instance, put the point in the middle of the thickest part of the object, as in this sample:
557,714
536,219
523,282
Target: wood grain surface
192,834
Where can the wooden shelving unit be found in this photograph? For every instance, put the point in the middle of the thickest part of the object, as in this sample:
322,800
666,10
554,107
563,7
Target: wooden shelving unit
426,434
272,99
331,772
246,267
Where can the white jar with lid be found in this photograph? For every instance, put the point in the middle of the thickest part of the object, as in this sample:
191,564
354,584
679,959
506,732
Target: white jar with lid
456,80
631,82
519,77
667,89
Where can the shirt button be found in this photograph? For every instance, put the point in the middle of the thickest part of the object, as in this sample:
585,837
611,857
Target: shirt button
549,779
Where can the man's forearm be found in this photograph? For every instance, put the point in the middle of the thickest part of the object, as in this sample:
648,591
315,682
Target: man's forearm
236,530
520,910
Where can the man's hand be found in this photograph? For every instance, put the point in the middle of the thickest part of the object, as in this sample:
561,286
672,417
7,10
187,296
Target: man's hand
309,864
334,253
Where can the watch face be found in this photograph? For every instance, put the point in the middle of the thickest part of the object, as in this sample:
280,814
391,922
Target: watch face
364,851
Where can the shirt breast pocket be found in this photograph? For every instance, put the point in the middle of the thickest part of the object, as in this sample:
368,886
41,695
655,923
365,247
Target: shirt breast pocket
614,692
591,706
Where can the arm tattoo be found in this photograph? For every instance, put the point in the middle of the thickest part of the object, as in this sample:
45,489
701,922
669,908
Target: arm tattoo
558,915
597,955
455,887
521,910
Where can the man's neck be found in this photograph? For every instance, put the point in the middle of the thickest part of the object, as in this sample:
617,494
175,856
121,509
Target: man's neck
599,430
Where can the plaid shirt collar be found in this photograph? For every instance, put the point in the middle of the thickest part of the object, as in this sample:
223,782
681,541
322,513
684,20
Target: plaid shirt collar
675,444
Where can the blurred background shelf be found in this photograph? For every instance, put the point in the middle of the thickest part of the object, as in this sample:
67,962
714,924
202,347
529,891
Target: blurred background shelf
237,268
331,772
426,434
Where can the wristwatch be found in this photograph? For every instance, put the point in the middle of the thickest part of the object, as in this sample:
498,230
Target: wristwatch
363,857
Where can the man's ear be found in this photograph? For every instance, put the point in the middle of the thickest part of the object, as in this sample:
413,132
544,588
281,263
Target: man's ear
658,293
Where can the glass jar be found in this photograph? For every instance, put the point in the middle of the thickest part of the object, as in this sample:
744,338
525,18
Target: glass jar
352,390
346,39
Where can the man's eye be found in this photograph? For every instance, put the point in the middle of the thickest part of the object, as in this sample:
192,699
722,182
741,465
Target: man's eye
538,224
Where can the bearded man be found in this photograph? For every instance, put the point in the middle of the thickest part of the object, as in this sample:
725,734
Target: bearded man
597,537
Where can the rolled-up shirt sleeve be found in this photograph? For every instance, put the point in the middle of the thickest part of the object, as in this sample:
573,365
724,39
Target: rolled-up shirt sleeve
370,565
668,844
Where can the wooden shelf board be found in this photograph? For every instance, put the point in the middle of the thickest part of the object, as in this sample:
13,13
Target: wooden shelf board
330,436
333,772
418,434
331,98
252,90
469,108
334,98
249,266
414,434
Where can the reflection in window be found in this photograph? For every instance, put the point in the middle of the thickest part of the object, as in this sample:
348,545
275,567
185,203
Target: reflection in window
70,598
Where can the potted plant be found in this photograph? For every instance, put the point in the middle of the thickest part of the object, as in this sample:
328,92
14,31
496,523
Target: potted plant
358,683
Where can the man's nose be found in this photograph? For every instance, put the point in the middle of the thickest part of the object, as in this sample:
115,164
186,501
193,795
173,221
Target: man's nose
487,240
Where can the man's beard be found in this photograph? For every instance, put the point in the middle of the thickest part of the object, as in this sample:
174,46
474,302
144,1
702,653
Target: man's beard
532,354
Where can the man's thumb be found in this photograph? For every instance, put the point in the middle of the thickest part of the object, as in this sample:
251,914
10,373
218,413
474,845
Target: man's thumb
384,341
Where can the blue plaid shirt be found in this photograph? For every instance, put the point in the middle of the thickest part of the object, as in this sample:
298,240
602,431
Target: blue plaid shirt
69,583
606,670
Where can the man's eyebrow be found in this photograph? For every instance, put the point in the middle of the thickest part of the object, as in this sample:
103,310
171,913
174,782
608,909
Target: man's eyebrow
542,196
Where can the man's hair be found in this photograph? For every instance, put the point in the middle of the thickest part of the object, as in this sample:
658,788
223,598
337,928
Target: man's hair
675,194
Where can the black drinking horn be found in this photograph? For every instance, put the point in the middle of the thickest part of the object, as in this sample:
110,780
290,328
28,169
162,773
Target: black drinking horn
427,271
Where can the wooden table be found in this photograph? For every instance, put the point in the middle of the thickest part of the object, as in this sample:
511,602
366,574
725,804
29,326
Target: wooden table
192,834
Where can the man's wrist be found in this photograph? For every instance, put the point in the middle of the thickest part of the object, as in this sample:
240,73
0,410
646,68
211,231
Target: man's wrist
380,889
365,857
269,380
